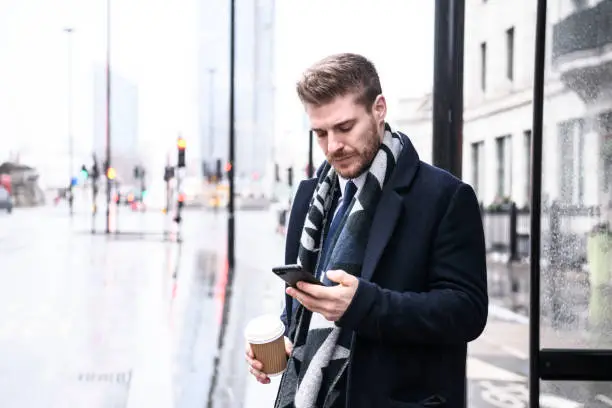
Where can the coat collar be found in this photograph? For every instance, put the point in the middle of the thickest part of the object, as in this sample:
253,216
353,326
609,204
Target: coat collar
406,168
389,207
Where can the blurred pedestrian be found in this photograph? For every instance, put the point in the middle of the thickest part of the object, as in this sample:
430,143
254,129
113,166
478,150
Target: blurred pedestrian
399,247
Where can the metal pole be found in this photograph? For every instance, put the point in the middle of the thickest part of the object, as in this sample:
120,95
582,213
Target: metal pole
230,219
232,167
448,90
448,85
255,128
310,154
535,205
69,32
108,113
94,186
211,116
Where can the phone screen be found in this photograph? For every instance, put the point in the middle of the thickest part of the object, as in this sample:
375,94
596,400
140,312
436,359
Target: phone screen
292,274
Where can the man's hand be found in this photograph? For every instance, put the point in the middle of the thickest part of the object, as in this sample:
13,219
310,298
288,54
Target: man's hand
329,301
256,366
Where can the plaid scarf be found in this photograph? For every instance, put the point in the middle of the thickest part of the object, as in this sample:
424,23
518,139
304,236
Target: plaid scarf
321,349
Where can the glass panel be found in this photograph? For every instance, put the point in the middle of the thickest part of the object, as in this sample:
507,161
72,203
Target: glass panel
576,296
577,175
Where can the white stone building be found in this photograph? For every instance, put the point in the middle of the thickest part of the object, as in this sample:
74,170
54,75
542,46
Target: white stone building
498,109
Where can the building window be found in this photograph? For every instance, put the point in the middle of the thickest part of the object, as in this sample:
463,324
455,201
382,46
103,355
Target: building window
477,164
510,53
571,161
501,154
483,66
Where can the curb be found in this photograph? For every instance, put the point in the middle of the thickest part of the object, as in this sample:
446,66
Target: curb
503,313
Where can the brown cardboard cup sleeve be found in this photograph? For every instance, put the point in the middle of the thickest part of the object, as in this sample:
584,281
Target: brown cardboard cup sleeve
265,335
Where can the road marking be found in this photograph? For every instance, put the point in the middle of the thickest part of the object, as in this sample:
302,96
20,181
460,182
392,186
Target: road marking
552,401
511,395
479,370
516,395
604,399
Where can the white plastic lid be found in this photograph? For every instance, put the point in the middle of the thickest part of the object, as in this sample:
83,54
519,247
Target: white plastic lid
264,329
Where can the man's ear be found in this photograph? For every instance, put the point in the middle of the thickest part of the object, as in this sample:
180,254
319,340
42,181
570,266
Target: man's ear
379,110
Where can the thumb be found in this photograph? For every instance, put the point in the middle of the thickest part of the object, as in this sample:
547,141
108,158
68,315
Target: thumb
337,276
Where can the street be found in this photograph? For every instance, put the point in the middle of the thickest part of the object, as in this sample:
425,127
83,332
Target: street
133,319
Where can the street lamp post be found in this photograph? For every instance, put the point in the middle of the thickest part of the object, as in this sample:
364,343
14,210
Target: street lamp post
231,165
230,208
108,114
69,32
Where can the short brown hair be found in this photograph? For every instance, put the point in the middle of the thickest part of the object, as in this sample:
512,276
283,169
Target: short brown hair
339,75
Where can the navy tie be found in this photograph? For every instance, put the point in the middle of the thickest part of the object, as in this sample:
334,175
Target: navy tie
349,192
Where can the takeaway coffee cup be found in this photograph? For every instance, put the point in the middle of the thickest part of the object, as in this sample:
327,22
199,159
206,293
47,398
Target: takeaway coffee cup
265,335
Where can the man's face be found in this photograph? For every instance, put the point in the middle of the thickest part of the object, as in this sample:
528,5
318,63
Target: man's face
348,133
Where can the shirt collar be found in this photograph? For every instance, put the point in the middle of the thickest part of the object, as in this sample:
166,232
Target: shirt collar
359,181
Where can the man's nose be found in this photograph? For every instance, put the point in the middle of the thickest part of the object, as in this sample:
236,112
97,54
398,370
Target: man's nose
333,143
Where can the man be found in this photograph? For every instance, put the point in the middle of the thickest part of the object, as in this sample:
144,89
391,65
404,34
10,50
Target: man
400,247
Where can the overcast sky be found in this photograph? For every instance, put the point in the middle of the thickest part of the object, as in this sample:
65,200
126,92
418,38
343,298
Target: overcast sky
154,44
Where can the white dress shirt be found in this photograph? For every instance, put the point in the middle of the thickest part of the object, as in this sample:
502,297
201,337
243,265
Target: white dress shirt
359,182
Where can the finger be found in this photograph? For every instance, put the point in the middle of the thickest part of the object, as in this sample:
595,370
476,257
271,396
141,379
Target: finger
311,303
316,291
339,276
257,365
261,377
249,351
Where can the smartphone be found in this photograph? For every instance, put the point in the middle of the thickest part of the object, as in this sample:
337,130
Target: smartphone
292,274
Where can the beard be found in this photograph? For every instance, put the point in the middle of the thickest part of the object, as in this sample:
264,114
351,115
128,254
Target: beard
350,165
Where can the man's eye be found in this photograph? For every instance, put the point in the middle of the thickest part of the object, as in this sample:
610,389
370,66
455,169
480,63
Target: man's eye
346,129
321,134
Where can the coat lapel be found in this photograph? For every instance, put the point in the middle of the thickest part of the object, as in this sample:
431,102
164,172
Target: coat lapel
389,208
387,213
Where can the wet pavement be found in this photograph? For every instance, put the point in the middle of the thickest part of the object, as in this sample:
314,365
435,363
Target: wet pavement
133,319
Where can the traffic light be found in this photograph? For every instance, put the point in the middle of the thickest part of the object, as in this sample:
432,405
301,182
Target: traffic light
276,172
168,173
290,176
111,173
136,172
84,172
181,204
181,144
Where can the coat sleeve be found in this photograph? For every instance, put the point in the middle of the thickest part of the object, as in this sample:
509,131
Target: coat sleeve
455,308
